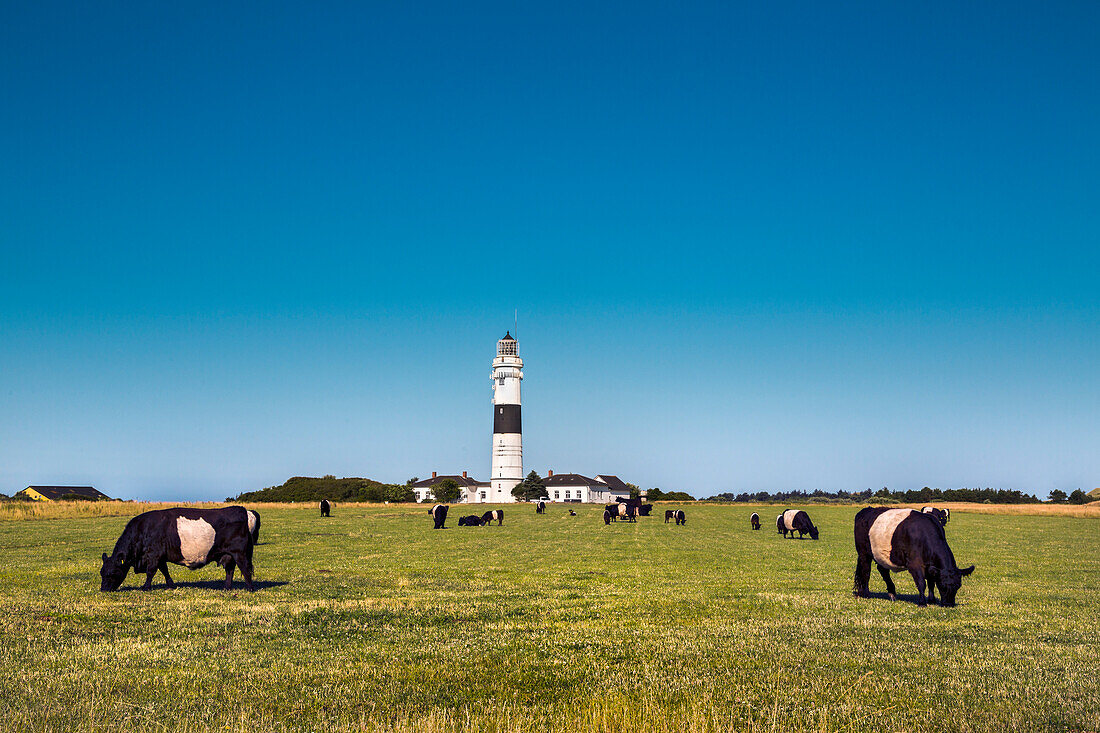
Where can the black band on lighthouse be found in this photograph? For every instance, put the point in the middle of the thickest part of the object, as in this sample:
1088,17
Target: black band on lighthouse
506,419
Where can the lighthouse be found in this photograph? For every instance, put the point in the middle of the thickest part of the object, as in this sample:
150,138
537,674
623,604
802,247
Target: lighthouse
507,427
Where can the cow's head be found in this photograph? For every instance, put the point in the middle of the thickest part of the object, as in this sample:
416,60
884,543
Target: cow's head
113,572
949,582
813,532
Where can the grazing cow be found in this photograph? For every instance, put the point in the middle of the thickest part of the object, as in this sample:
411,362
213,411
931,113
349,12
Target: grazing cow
326,508
940,515
779,525
470,520
796,520
540,508
497,514
754,520
903,539
630,509
680,517
607,516
439,514
613,510
669,514
182,536
645,510
254,525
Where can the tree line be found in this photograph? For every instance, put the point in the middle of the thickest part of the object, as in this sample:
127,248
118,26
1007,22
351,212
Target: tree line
910,496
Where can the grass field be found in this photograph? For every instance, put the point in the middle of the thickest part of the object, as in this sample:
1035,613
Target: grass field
371,621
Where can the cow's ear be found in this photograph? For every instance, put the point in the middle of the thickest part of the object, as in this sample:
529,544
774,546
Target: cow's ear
105,557
966,571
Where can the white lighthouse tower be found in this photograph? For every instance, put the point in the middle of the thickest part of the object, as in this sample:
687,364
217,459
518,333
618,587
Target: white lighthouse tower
507,426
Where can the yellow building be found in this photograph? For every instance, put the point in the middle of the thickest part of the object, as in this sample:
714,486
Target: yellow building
53,493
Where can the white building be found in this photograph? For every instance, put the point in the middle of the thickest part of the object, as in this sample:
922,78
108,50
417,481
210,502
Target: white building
472,489
574,487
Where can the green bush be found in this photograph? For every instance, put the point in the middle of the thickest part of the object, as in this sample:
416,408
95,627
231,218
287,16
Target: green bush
305,488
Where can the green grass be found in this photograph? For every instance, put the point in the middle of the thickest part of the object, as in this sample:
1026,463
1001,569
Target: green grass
371,621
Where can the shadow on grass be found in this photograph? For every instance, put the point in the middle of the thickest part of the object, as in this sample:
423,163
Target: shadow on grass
901,597
238,585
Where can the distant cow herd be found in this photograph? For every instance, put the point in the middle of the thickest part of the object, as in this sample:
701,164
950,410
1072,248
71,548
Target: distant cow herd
894,540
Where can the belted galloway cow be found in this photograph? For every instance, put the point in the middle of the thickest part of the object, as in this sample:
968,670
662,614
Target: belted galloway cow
754,520
540,508
439,515
470,520
796,520
904,539
607,516
181,536
679,517
326,508
940,515
489,516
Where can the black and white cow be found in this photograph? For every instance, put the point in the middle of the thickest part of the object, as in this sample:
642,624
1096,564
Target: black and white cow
439,515
182,536
470,520
779,525
940,515
489,516
754,520
607,516
540,508
796,520
904,539
613,510
572,513
326,508
254,525
679,516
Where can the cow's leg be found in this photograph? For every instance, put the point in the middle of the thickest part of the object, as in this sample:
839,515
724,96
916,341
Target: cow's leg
230,565
918,578
891,591
163,567
245,564
863,575
149,579
932,590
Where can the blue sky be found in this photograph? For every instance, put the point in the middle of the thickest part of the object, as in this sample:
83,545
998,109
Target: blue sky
765,247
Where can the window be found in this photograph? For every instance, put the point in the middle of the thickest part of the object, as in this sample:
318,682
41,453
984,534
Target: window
555,494
483,496
567,493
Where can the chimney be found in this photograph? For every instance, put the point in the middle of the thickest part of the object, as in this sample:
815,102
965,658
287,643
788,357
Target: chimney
463,474
433,474
550,473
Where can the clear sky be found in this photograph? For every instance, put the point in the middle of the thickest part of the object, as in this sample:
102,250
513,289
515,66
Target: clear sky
788,245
